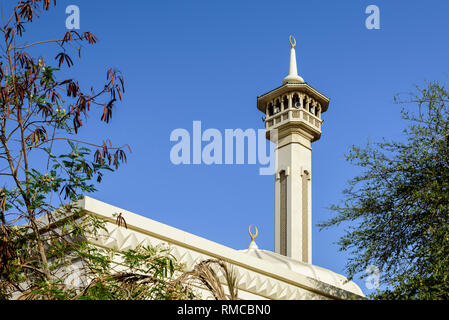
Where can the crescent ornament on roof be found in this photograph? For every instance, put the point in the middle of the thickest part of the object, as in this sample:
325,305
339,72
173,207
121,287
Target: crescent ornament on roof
253,236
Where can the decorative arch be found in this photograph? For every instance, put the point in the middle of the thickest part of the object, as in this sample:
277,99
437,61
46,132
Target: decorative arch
295,100
285,103
269,110
277,107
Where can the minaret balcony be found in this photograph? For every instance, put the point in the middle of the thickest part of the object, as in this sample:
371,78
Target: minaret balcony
300,116
294,104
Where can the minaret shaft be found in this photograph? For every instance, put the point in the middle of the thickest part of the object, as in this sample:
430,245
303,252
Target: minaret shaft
293,212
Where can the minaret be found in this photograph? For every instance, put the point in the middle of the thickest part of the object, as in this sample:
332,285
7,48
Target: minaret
293,121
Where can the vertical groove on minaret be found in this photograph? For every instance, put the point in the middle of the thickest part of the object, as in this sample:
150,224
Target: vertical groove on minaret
283,213
305,217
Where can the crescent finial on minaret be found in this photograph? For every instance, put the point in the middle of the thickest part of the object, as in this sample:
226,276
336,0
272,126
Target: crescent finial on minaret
293,43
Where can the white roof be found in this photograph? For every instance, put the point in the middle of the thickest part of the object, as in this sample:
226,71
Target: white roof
306,269
260,273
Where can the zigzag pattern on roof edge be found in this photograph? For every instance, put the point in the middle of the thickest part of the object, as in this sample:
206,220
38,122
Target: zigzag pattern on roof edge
121,239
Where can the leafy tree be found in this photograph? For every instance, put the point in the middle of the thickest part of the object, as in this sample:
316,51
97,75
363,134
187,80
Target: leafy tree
45,247
398,208
38,114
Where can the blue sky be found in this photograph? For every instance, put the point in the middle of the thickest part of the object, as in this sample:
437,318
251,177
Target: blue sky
209,60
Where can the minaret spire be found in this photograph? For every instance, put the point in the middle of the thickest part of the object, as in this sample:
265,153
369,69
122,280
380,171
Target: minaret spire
293,76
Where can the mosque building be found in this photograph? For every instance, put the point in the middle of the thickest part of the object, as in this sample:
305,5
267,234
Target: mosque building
293,120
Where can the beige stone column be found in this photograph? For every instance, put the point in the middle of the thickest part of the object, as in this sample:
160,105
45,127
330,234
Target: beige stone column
293,214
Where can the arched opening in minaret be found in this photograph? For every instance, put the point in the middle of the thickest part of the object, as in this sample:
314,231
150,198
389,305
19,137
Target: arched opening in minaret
270,109
295,101
278,106
285,103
